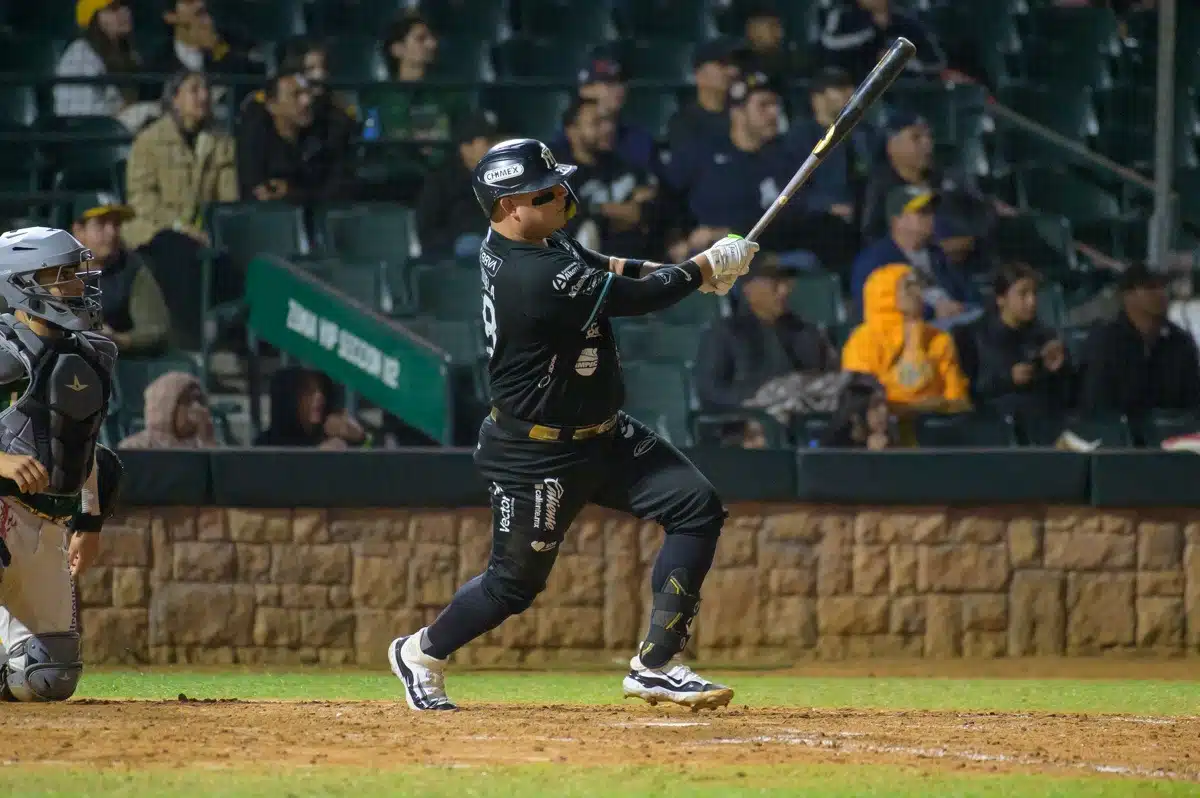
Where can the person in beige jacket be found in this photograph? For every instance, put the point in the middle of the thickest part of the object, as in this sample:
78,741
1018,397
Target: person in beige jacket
177,166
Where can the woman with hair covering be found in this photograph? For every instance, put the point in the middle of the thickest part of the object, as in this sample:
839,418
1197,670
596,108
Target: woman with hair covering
177,416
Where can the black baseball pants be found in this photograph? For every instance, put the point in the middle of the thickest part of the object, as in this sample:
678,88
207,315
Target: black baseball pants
538,488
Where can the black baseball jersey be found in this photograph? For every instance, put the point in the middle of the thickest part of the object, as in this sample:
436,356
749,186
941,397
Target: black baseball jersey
552,357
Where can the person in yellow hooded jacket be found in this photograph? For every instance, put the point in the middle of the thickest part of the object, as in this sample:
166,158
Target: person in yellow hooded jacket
915,362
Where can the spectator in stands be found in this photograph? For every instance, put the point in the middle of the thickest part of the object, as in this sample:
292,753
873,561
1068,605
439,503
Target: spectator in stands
916,363
176,166
196,44
448,220
728,184
279,154
618,208
603,82
764,356
767,48
842,175
948,294
858,33
105,47
176,415
302,413
862,419
335,124
1141,361
134,314
1015,364
965,218
416,112
707,116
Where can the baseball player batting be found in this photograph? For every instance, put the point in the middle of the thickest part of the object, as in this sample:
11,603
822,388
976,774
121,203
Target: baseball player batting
556,439
58,484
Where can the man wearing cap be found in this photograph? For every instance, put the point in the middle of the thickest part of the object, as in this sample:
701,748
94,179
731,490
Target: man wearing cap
603,82
196,43
728,184
1141,361
762,341
134,313
946,290
447,211
707,116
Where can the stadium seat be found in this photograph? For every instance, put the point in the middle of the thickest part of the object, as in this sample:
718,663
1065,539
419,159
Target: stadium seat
463,57
1062,193
808,429
107,178
1051,307
1069,64
670,343
97,141
1042,240
690,20
532,113
34,53
1133,144
478,19
526,57
1113,432
712,429
357,58
355,17
43,19
978,430
248,229
461,340
366,231
1083,27
1068,112
1163,424
18,105
567,20
696,309
269,20
665,59
650,108
657,395
360,280
446,293
817,299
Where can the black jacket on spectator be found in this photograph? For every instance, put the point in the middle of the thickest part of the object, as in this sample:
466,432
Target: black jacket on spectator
739,354
286,429
235,59
447,209
314,166
987,351
851,41
612,178
1121,373
692,122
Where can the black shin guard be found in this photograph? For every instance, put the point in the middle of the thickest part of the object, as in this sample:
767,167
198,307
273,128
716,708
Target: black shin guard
671,616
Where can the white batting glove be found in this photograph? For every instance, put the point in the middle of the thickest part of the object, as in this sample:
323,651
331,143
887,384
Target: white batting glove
719,287
730,258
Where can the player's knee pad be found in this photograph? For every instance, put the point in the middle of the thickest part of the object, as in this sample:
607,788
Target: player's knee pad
44,667
672,610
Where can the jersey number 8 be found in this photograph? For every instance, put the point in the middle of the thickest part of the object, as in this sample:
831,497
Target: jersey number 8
489,323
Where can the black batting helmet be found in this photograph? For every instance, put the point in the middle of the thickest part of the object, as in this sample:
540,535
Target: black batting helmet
518,166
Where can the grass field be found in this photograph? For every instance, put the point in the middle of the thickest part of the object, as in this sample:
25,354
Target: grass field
335,733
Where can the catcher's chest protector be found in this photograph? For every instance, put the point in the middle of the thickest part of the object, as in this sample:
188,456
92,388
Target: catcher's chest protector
58,417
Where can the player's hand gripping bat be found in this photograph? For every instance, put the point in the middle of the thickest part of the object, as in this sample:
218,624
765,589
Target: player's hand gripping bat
882,76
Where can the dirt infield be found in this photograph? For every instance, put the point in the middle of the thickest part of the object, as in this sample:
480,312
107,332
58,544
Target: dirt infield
385,734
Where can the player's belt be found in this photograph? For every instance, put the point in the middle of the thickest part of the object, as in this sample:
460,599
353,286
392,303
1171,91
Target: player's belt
46,506
541,432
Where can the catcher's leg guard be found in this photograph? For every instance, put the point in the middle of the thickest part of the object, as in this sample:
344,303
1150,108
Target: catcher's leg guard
43,667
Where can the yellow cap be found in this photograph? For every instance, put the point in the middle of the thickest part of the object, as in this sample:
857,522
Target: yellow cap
85,10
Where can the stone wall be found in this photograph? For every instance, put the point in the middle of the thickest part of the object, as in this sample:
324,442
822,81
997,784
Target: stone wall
213,586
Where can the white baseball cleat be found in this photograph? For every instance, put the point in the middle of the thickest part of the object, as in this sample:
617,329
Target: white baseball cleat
674,682
424,682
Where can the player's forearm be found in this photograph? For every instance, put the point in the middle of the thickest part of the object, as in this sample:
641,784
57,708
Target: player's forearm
657,290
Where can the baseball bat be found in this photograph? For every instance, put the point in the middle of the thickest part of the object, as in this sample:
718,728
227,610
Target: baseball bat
882,76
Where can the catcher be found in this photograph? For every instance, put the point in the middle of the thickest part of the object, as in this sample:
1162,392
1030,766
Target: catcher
58,484
556,439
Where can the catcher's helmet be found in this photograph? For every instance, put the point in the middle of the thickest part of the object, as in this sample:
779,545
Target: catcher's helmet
519,166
